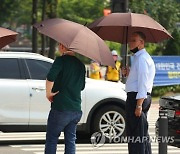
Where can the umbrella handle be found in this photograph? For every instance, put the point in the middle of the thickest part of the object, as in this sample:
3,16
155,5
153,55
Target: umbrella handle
126,47
125,71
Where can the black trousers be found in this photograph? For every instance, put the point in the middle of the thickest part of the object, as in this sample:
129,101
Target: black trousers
137,127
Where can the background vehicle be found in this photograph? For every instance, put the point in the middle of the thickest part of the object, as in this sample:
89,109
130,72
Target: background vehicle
172,105
24,107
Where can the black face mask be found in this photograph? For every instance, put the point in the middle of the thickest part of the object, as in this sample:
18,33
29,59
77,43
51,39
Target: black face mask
134,50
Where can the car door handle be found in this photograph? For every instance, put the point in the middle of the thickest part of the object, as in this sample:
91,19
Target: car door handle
39,88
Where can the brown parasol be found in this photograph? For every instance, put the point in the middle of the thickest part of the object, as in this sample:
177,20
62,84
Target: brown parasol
77,38
118,27
6,36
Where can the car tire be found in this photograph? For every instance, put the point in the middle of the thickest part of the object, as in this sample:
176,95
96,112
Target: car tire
110,121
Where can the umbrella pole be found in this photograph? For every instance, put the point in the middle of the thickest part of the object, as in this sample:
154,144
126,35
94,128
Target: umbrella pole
124,50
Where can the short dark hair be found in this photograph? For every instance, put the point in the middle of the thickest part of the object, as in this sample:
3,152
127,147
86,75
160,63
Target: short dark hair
141,34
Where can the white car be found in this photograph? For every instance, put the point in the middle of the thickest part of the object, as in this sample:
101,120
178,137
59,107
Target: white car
24,107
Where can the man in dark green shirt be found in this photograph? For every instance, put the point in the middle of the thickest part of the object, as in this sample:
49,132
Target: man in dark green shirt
65,81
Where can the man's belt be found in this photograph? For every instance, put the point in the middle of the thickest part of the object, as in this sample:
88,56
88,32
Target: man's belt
132,92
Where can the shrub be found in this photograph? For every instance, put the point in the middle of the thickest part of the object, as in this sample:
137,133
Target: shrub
165,90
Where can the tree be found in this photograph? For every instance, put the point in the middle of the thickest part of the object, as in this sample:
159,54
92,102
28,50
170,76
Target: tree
173,45
52,13
137,6
7,8
166,12
34,31
43,41
81,11
18,12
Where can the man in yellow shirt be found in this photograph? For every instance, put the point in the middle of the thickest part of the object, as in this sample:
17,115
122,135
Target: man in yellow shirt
113,74
95,72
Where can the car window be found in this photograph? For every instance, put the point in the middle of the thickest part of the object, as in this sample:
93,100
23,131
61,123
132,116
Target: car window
9,68
38,69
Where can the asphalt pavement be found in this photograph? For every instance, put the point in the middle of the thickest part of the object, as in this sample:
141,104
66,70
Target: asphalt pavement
33,143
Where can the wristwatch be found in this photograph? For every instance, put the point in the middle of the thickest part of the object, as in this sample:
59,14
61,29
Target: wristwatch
138,106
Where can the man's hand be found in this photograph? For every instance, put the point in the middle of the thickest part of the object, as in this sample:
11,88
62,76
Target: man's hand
138,111
51,95
125,71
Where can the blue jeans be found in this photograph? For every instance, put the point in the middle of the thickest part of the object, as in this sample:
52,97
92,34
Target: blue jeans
59,121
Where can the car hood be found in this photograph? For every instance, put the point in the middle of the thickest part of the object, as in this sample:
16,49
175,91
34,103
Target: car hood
170,102
108,84
175,97
100,89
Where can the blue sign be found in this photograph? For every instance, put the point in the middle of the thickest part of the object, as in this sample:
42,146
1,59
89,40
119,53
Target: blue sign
167,70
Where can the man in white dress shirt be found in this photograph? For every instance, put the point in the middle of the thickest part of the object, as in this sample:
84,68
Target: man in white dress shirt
138,87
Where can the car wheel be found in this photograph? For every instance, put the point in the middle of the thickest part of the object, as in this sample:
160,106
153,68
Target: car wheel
110,120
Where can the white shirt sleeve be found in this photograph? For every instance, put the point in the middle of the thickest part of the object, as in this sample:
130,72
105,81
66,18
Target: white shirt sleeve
142,70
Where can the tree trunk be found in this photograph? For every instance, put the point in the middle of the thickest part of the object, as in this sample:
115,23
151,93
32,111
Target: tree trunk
43,45
52,48
34,30
52,14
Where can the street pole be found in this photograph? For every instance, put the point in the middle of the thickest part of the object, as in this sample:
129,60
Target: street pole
121,6
163,131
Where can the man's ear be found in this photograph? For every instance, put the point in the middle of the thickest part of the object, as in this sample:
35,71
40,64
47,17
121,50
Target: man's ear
142,41
63,47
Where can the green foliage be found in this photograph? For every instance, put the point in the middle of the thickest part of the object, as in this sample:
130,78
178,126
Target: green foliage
114,46
23,15
137,6
17,12
84,59
7,8
165,90
81,11
151,47
173,45
167,13
51,8
57,54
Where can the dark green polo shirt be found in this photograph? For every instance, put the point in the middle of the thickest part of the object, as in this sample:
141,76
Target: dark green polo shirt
68,75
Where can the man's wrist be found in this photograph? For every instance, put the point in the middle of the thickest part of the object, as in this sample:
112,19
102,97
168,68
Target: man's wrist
48,93
138,106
